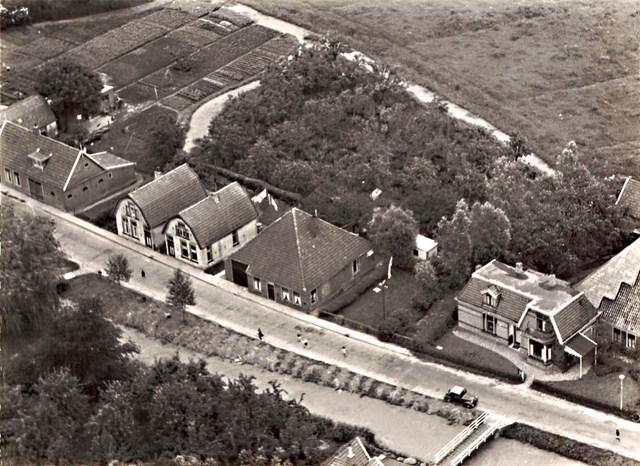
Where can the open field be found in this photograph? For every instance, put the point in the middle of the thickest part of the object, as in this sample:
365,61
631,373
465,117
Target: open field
557,71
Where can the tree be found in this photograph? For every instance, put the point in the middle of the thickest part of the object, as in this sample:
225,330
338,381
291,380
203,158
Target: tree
118,268
29,270
490,233
393,231
85,342
181,293
71,88
429,288
166,138
454,247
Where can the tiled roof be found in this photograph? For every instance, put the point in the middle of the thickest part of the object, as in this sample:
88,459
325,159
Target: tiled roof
624,311
108,161
301,252
510,305
629,197
606,281
166,196
353,453
581,344
17,142
33,110
219,214
573,318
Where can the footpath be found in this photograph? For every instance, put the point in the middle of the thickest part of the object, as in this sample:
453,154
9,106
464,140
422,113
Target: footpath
236,308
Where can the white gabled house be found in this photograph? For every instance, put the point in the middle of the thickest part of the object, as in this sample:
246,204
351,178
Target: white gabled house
206,232
141,215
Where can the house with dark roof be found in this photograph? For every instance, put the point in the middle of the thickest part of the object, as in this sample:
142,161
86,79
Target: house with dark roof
528,310
301,260
142,214
211,229
58,174
354,453
614,289
629,200
32,113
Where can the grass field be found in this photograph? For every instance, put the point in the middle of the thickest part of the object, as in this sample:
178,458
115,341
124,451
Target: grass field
557,71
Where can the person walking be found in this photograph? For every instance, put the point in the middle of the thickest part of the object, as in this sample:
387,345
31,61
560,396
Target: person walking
299,338
344,351
142,273
260,334
305,343
618,435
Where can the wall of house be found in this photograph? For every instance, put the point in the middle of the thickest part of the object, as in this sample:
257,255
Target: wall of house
225,247
50,194
170,233
100,185
139,238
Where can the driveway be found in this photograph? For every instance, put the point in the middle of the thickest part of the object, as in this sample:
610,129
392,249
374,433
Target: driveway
236,308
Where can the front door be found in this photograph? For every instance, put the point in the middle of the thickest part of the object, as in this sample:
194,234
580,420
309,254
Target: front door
239,271
513,336
147,238
170,247
271,291
35,190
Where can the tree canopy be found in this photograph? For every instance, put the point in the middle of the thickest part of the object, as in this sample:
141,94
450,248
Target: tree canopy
180,292
393,231
118,268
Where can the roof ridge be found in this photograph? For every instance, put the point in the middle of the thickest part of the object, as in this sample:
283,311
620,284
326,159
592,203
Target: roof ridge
40,135
295,231
626,182
162,176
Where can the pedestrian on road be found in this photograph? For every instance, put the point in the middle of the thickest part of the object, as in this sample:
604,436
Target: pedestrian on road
618,435
305,343
299,338
99,273
142,274
344,351
260,334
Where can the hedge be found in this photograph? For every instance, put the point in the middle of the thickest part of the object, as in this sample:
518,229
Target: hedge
565,447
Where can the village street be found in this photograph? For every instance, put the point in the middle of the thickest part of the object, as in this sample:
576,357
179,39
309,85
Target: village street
233,307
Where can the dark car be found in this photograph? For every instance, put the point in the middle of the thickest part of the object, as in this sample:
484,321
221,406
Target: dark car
459,396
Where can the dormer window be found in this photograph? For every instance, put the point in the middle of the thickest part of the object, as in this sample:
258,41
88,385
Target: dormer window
39,159
131,211
491,296
181,230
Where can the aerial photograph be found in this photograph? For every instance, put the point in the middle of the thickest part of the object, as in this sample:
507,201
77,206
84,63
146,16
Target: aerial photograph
319,232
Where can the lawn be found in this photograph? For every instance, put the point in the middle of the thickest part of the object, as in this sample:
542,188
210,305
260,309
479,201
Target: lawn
556,72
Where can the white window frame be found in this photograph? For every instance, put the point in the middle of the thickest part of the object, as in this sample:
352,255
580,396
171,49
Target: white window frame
210,254
355,267
494,322
16,179
488,300
235,238
193,253
134,228
631,340
184,246
257,284
8,175
286,295
314,296
296,299
125,226
181,230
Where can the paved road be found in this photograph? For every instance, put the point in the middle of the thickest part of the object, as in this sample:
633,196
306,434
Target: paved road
233,307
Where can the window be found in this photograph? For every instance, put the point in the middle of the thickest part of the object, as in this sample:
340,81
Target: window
258,227
488,299
7,175
125,226
184,249
234,237
181,230
110,175
536,349
490,324
53,194
541,323
631,341
101,180
210,254
257,285
296,299
285,295
194,253
16,179
131,211
69,196
86,165
355,266
134,228
617,335
314,296
84,189
416,252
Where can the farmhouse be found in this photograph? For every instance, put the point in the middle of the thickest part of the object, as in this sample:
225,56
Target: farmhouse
614,289
210,230
32,113
629,199
301,260
57,174
142,214
530,310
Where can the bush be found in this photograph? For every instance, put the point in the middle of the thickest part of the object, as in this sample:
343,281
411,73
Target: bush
62,286
398,323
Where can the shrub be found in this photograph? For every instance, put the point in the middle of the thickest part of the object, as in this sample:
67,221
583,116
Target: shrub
312,374
398,323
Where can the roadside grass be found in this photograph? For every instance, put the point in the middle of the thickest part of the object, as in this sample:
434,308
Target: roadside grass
554,72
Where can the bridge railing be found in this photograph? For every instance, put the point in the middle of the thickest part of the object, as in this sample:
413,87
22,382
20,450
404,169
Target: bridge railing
458,439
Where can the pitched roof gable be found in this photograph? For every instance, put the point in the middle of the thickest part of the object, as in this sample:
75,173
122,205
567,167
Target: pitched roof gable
623,312
17,142
31,111
573,318
166,196
629,197
219,214
353,453
108,161
301,252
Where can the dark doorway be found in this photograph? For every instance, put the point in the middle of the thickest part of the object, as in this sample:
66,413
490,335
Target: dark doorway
239,271
170,247
271,291
35,190
147,238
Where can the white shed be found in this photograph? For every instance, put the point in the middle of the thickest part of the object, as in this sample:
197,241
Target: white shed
425,248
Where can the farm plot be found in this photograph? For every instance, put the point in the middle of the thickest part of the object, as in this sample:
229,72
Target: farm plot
217,25
231,17
212,57
18,62
199,90
116,42
145,60
137,93
195,36
171,18
46,47
176,102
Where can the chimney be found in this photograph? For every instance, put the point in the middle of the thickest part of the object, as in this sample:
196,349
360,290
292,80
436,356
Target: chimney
350,453
551,280
157,174
519,268
36,129
478,267
216,198
315,213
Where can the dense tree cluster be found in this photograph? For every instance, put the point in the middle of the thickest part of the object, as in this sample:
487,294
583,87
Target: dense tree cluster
332,131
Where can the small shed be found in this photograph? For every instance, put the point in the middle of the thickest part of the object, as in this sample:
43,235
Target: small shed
425,248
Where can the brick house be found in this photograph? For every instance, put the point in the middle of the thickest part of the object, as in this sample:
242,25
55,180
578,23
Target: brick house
58,174
629,199
211,229
301,260
32,113
614,289
142,214
528,310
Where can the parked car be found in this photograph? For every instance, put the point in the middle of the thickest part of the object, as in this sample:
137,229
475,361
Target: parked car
458,395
